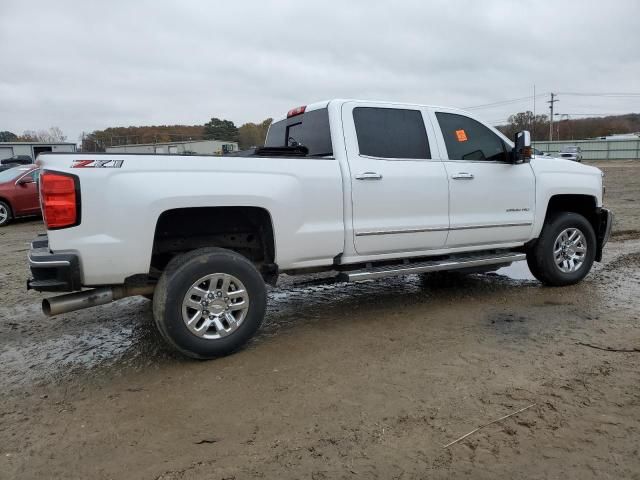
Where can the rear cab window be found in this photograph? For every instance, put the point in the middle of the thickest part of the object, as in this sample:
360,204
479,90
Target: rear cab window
467,139
310,129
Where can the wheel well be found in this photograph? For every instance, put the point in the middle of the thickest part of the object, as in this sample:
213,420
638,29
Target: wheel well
585,205
2,199
246,230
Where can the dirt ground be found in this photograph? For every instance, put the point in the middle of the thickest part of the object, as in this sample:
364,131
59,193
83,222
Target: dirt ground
364,380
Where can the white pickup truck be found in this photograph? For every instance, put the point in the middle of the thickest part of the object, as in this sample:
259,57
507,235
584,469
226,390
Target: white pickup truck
366,189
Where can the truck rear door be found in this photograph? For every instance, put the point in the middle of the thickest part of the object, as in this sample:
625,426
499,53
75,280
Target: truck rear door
399,192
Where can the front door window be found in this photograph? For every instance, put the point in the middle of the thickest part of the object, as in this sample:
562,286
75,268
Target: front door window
467,139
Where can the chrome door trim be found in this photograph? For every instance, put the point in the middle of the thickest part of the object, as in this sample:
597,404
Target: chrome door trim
441,229
492,225
394,232
503,162
399,159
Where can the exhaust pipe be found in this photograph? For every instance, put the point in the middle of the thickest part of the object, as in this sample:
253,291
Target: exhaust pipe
91,298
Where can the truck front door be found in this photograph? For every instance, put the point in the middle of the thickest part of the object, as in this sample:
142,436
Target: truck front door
399,192
491,200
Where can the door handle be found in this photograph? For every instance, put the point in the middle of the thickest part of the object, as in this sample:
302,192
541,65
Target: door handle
463,176
369,176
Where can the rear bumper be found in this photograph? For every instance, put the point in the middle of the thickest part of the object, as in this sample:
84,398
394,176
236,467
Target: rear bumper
52,272
605,222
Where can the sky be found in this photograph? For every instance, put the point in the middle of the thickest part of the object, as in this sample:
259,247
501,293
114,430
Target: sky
87,65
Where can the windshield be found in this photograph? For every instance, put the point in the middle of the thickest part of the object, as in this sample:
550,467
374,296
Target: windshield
12,173
571,149
310,129
22,159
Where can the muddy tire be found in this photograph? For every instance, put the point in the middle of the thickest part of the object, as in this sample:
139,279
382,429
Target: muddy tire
565,250
209,302
5,214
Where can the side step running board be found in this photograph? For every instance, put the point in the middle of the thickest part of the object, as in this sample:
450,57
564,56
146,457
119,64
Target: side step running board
432,266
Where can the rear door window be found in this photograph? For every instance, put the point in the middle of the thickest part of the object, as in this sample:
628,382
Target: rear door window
468,139
391,133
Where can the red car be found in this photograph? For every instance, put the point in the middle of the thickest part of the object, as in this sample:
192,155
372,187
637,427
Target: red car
19,193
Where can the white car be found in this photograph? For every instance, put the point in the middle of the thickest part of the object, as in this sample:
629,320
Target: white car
362,188
571,153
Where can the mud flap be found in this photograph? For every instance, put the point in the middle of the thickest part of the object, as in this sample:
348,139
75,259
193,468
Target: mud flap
605,222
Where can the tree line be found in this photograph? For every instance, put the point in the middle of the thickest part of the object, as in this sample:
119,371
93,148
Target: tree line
567,128
53,134
253,134
247,135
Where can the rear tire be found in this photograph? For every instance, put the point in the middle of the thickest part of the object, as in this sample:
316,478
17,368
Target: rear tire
209,302
5,214
565,250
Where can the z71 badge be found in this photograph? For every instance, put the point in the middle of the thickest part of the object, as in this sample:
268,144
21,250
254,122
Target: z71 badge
97,163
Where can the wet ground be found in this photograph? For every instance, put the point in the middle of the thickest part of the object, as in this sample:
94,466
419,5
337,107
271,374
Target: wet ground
364,380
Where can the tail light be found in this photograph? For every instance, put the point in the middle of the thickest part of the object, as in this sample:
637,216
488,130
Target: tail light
60,199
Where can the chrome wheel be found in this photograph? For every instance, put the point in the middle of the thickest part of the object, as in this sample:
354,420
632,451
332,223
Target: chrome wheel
4,214
215,306
569,250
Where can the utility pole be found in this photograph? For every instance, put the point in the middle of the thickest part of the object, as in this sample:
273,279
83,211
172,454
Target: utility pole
551,102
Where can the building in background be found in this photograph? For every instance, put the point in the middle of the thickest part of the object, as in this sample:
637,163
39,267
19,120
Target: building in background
32,149
188,147
620,136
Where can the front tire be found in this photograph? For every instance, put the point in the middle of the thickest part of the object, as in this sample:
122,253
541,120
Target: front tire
5,214
565,251
209,302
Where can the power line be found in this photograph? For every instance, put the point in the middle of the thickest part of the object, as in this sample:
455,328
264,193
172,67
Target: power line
500,121
595,114
505,120
610,95
532,97
505,102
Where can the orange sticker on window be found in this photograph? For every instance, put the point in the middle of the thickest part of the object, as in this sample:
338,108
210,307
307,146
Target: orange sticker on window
461,135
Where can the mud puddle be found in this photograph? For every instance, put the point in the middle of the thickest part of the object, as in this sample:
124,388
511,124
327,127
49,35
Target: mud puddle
113,338
37,349
516,271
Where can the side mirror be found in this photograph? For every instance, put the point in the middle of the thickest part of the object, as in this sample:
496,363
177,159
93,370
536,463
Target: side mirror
25,180
522,151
